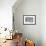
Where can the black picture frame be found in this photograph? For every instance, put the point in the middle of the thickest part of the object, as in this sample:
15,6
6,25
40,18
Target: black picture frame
29,19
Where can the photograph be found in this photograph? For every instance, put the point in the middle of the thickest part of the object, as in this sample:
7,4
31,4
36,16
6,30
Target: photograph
29,19
22,22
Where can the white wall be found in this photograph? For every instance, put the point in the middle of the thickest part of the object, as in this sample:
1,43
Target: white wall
6,13
43,22
29,7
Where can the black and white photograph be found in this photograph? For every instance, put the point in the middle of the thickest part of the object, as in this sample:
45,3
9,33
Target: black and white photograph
29,19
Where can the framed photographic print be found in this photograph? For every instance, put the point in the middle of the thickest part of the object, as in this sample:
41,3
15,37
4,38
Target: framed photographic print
29,19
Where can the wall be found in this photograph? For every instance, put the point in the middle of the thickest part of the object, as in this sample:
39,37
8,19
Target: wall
29,7
43,22
6,13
